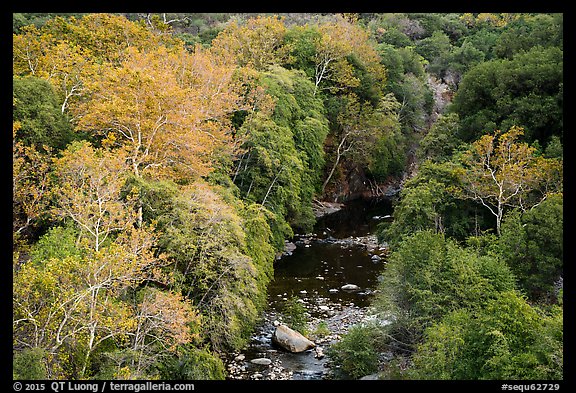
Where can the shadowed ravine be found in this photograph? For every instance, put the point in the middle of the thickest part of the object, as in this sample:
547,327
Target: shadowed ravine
341,250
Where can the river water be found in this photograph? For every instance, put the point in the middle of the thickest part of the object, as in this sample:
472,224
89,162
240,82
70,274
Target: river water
341,250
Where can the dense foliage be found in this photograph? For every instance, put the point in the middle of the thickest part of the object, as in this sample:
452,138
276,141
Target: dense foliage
160,161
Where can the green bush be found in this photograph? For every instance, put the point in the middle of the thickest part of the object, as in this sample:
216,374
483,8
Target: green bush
355,353
533,245
430,275
37,107
294,314
507,339
28,364
193,364
58,242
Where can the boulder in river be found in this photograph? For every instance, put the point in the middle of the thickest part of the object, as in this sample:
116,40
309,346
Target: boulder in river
350,287
291,340
261,361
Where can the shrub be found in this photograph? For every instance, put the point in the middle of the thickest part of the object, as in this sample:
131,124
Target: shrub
295,316
28,364
355,353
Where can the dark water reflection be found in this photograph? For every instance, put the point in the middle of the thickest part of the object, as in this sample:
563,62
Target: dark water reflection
359,218
316,268
321,270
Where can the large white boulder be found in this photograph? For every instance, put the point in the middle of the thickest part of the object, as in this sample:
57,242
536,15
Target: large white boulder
291,340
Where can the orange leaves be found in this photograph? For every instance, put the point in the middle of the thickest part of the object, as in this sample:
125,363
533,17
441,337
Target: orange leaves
167,317
256,44
169,109
339,40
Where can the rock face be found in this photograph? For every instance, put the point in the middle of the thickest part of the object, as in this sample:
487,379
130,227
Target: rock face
291,340
321,209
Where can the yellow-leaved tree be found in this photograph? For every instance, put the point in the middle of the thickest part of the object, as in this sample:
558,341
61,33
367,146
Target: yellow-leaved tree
168,107
257,43
340,41
501,172
73,305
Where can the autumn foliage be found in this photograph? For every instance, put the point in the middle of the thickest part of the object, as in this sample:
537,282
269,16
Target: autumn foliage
157,175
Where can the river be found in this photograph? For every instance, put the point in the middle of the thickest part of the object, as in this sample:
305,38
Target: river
341,250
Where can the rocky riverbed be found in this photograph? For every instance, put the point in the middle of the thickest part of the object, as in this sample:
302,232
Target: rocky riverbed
333,272
267,362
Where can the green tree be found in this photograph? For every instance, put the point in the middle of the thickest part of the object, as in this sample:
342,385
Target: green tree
294,313
217,264
31,182
528,31
193,363
37,109
28,364
359,128
532,244
282,152
355,353
465,57
525,91
441,140
406,79
59,242
428,276
427,202
436,49
506,339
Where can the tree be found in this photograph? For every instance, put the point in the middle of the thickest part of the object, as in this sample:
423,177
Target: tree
436,49
165,321
168,107
441,139
360,127
338,42
525,91
257,44
500,172
30,185
406,79
217,263
37,109
68,52
73,301
427,202
528,31
74,304
429,275
90,191
532,244
282,151
506,339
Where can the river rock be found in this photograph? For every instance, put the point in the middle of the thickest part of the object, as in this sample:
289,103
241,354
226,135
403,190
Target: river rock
289,248
261,361
291,340
350,287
